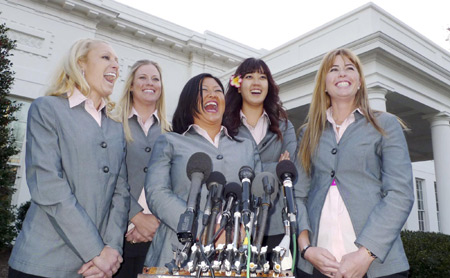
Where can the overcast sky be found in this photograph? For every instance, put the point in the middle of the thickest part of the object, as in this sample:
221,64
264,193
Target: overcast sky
262,23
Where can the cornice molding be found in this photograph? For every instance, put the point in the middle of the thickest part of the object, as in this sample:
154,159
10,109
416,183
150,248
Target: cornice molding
120,18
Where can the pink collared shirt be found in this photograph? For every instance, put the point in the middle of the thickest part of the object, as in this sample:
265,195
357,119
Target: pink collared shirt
336,233
77,98
204,134
260,129
148,123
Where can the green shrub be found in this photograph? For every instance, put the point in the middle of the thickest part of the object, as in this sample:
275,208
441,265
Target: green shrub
7,141
21,212
428,254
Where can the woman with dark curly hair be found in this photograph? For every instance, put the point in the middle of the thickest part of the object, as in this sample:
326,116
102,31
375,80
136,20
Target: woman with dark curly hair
254,110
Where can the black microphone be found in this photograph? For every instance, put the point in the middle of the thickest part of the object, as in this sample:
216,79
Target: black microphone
215,184
246,176
232,193
265,186
198,169
287,173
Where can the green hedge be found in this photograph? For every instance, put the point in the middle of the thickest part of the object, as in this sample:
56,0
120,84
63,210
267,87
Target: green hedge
428,254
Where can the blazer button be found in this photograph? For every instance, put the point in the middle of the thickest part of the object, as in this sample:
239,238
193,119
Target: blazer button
148,149
104,145
332,173
145,169
219,157
106,169
334,151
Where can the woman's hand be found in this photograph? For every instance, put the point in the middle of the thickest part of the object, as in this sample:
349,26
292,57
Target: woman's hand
322,260
284,156
134,236
146,225
89,270
108,261
355,264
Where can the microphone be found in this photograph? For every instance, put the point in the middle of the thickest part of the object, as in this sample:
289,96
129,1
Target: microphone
232,193
215,184
246,176
287,173
265,186
198,169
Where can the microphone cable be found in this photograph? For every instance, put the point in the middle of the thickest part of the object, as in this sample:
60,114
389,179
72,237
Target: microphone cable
294,253
249,253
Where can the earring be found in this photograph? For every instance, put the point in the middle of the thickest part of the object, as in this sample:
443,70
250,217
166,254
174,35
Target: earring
82,72
358,88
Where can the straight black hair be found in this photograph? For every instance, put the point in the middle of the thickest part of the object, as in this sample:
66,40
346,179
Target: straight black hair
187,107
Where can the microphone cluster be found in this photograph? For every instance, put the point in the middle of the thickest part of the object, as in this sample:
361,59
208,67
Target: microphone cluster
240,211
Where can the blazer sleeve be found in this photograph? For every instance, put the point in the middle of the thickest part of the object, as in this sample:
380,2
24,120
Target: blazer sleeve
387,218
289,143
161,199
135,208
49,187
118,216
301,191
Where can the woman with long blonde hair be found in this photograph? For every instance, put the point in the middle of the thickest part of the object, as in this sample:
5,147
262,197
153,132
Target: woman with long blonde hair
143,114
355,179
76,170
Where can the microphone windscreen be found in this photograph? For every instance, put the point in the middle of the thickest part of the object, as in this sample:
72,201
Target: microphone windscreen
258,185
287,167
215,177
233,189
199,163
246,172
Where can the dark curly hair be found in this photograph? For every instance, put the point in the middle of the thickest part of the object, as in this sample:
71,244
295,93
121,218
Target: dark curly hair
272,102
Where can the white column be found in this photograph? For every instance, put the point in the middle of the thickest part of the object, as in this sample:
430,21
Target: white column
377,98
440,136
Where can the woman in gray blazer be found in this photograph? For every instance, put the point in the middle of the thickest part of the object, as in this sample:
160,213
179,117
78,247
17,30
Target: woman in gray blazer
142,111
355,188
76,173
197,127
254,111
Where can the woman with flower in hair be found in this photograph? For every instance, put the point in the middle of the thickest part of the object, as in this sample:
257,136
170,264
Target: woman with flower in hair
254,111
76,173
143,114
354,190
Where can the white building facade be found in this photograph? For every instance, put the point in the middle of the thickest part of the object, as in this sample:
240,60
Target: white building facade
407,74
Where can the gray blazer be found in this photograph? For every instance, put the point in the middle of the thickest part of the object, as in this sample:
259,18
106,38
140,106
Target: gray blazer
374,177
76,174
138,156
167,185
270,149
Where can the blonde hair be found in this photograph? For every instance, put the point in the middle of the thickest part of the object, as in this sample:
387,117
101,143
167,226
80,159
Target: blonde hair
316,119
126,101
69,74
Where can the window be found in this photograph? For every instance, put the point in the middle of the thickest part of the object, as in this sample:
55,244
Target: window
420,204
437,206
